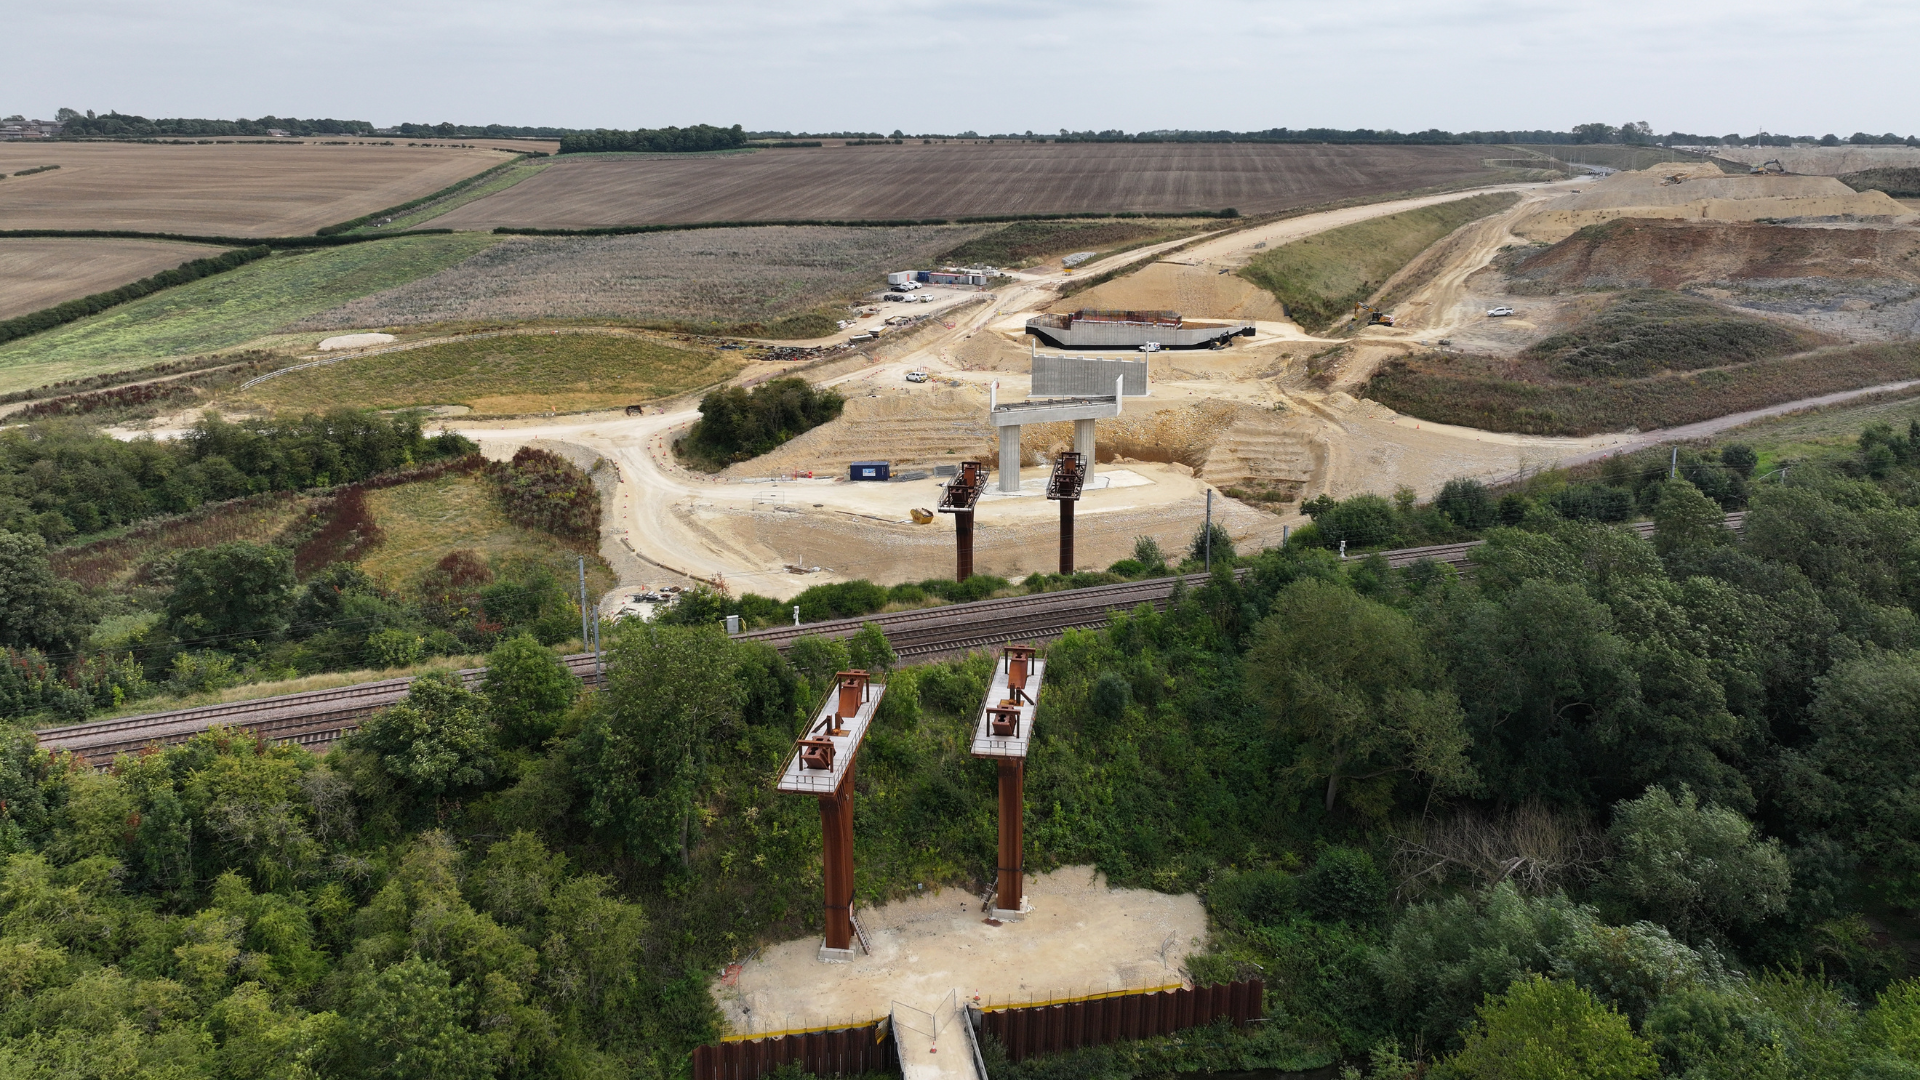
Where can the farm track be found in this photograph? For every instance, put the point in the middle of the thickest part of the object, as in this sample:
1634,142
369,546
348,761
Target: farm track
316,718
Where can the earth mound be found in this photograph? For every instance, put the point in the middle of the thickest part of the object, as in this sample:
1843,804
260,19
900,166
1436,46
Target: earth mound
1703,192
1630,253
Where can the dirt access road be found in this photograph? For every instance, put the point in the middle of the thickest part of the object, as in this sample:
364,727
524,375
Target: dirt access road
734,531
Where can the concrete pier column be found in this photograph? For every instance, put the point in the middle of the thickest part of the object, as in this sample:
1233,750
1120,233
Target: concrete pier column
1083,443
1010,458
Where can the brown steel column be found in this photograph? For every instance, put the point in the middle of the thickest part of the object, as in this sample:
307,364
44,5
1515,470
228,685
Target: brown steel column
1066,536
836,835
1012,800
963,545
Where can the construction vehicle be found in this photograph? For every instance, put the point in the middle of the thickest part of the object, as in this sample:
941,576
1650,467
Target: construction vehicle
1368,315
1769,167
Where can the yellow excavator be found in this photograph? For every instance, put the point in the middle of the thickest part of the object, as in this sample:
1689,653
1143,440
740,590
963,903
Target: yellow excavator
1769,167
1368,315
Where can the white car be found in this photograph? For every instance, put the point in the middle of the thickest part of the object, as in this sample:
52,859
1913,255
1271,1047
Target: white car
1152,346
916,376
1499,311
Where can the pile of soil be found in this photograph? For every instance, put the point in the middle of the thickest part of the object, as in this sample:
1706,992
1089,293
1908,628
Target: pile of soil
1703,193
1669,254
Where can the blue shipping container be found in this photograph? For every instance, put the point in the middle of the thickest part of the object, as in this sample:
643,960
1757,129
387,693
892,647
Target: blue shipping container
869,470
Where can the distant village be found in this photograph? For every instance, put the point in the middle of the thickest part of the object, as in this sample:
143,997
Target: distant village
19,127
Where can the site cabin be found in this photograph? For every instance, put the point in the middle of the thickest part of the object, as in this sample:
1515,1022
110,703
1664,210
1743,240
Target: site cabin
870,470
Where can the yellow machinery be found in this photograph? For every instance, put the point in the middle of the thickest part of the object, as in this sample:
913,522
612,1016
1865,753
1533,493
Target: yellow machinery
1769,167
1368,315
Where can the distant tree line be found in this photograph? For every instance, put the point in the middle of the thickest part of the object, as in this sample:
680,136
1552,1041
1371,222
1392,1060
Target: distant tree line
667,140
112,124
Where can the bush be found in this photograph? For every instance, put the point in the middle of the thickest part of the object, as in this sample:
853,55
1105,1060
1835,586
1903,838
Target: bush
1343,883
1541,1029
737,424
1468,504
542,490
1253,898
1362,521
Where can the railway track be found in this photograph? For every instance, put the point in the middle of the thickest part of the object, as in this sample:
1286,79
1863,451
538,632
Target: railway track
316,718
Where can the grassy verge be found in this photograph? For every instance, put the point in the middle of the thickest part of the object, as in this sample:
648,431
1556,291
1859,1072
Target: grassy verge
119,561
503,375
1321,277
1476,392
230,309
423,522
1609,156
506,178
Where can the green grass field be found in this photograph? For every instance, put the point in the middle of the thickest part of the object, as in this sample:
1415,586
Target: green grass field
567,372
230,309
1025,243
1320,278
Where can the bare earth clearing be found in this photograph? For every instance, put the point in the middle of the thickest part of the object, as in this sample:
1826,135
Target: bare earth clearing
41,273
959,179
1081,937
237,189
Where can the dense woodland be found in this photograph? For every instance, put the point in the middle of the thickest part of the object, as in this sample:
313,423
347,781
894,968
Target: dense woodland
1607,807
693,139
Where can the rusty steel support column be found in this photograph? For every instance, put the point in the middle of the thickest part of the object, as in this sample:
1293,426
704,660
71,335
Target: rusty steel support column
836,834
963,545
1066,536
1008,892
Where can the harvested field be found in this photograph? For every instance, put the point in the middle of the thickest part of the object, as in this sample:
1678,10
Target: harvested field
960,179
1609,156
1321,277
1484,393
1028,243
749,280
41,273
506,375
221,190
228,309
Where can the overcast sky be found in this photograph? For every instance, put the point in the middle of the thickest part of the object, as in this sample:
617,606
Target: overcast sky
1707,66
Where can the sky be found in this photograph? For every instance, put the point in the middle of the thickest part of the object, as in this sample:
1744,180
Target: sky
1702,66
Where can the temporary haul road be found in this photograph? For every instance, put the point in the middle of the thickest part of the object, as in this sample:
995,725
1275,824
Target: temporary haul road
316,718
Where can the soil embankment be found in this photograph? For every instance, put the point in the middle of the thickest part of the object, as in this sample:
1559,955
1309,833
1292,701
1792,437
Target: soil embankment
1704,193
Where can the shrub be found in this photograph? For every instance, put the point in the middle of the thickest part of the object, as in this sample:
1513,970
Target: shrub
542,490
1343,883
1468,504
1541,1029
737,424
1253,898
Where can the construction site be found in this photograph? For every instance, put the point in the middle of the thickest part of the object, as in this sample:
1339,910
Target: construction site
1045,422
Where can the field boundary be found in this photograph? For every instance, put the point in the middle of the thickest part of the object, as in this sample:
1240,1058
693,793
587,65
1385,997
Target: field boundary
47,318
276,242
868,223
414,204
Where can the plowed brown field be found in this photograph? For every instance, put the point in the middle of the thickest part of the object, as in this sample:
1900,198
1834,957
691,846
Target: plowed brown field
233,189
958,179
40,273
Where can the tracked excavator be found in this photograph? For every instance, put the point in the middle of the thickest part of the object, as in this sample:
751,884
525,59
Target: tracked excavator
1368,315
1769,167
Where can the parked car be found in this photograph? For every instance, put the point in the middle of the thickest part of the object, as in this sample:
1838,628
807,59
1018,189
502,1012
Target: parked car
1499,311
916,376
1152,346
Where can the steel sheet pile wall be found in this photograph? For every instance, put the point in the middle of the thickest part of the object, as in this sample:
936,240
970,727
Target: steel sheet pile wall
1050,1029
844,1052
